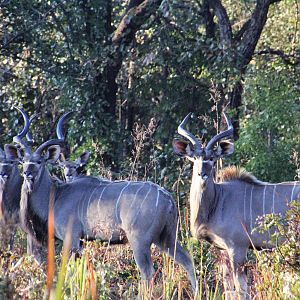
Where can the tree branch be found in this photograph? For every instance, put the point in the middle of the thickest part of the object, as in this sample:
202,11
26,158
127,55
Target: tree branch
253,29
224,23
287,59
133,19
209,19
240,33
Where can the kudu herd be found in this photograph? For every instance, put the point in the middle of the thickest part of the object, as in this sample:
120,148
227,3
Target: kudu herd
223,213
141,213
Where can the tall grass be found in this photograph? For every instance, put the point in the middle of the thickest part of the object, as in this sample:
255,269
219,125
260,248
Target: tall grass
109,272
106,271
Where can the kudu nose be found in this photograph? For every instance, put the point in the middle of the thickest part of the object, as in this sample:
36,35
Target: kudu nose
27,174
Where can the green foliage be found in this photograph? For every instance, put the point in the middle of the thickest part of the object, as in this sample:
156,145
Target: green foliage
58,56
270,125
283,263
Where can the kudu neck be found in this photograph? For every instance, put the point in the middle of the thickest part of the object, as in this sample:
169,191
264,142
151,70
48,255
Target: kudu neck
11,193
202,197
39,190
43,181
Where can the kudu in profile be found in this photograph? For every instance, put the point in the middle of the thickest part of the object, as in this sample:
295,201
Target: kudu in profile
11,182
225,213
140,212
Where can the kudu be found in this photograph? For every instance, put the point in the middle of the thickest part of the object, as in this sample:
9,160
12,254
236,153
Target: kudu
224,213
116,211
11,183
71,169
11,180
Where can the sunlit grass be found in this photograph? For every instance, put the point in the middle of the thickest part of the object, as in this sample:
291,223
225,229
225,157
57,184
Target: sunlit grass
109,272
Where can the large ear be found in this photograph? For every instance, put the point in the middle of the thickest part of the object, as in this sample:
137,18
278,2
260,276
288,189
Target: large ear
83,158
52,154
12,152
181,148
226,148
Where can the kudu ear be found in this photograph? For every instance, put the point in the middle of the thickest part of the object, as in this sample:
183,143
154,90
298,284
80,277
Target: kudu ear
83,158
226,148
52,154
12,152
182,148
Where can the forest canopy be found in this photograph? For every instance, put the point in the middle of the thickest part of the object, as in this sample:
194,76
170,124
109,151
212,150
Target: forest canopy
121,65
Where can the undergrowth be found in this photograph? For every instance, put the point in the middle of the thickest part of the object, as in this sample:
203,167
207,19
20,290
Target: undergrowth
106,271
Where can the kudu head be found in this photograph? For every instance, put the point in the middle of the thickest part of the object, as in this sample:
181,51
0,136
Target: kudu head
73,169
34,162
203,157
8,160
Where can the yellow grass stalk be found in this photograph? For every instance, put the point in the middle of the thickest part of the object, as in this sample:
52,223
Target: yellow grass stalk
92,280
64,261
51,250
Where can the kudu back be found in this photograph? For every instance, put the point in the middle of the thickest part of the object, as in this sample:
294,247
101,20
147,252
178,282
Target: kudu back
224,213
140,212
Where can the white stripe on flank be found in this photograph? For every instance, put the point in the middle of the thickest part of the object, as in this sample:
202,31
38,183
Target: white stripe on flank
264,200
292,195
100,198
90,199
81,202
245,194
157,197
273,205
135,196
116,212
136,215
251,195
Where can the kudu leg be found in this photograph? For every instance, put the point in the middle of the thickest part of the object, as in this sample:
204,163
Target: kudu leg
35,249
142,256
171,247
226,272
12,238
237,258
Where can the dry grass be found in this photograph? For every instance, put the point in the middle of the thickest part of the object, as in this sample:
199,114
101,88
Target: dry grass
109,271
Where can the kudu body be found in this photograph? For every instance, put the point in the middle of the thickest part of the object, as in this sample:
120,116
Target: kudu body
140,212
225,213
